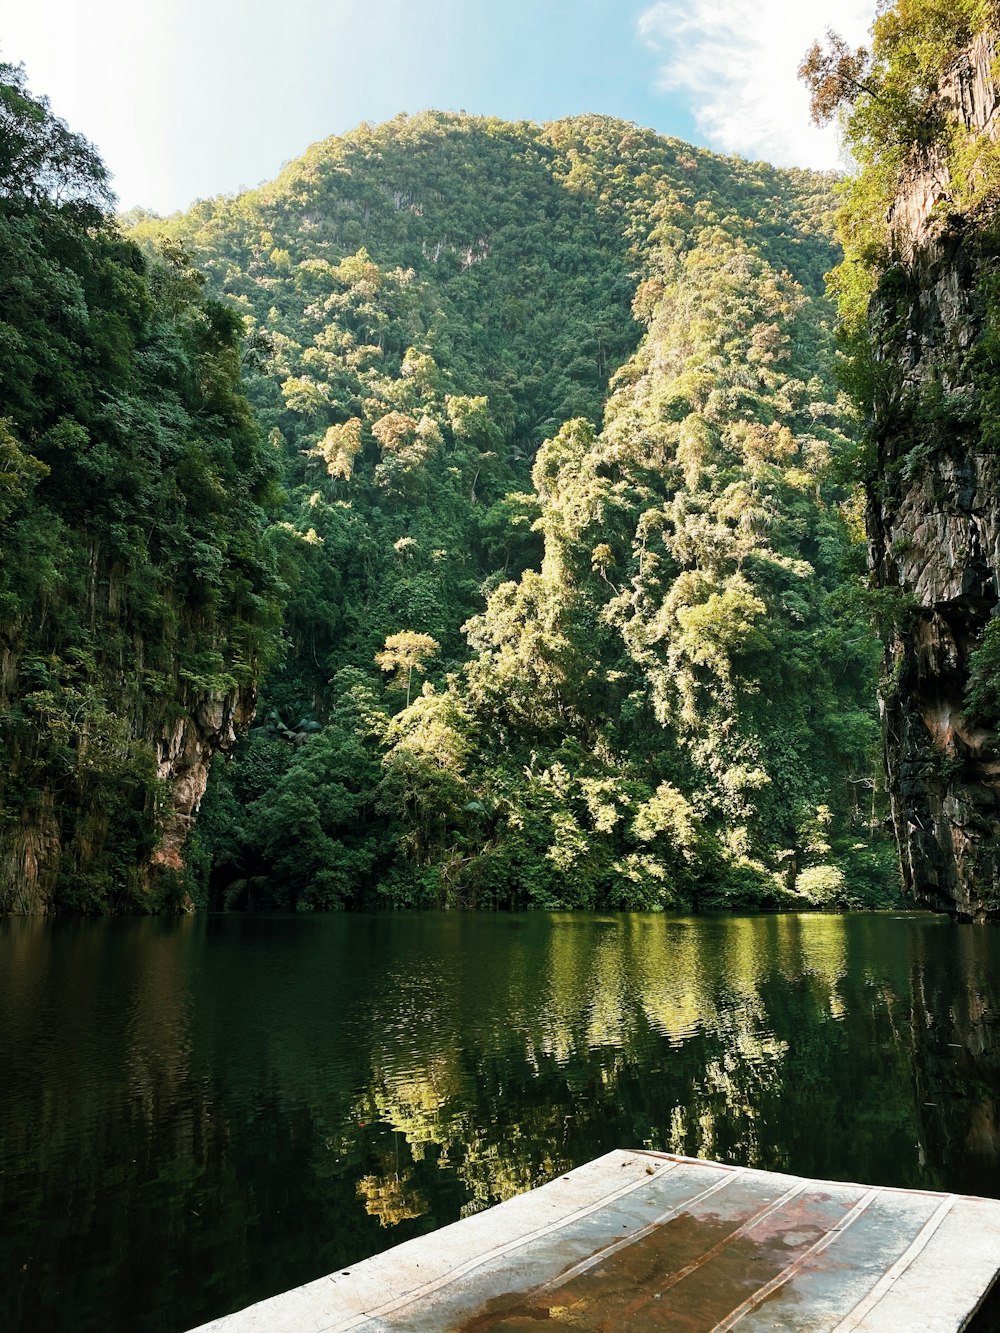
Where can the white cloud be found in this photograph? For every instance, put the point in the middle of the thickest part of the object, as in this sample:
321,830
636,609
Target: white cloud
736,61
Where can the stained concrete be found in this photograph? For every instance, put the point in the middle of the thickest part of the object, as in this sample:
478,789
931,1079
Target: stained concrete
638,1241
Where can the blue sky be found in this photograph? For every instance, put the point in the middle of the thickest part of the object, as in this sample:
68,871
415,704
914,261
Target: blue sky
188,98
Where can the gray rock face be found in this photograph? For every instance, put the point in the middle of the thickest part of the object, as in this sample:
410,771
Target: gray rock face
184,757
36,850
934,532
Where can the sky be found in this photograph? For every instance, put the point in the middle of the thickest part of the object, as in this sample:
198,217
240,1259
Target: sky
190,98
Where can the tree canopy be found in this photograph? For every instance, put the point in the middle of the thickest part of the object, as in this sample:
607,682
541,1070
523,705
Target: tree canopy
136,580
559,400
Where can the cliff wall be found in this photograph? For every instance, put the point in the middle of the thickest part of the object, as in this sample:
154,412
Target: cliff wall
137,588
934,522
109,806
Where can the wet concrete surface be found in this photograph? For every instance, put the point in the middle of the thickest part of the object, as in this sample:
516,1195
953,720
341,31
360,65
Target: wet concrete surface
690,1273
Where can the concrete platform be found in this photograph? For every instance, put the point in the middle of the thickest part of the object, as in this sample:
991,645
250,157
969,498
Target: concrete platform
638,1240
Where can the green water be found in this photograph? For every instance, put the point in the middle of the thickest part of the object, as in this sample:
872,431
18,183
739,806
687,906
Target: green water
196,1114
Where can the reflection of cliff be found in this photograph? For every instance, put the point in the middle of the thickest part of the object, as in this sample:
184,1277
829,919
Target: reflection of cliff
140,1048
103,1133
955,1023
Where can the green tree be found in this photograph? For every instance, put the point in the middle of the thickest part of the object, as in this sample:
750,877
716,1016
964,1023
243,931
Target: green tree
404,653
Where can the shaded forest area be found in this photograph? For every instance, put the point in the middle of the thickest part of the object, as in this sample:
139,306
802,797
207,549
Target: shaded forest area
137,592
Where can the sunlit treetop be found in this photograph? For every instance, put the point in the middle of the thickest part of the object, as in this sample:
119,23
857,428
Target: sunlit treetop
835,75
888,95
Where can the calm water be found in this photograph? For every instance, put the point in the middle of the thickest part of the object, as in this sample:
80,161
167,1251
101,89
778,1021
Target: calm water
196,1114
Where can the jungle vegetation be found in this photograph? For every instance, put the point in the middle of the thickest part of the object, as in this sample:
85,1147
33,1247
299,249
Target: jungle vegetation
574,556
135,568
529,435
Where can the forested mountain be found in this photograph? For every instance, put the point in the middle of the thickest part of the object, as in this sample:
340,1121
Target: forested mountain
568,540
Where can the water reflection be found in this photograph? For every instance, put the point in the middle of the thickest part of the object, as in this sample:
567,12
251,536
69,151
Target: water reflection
199,1113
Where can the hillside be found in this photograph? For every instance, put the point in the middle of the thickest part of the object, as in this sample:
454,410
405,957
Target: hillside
561,445
137,590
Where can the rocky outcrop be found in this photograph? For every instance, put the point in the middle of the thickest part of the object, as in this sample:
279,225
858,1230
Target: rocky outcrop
138,587
101,776
184,757
29,861
934,525
55,840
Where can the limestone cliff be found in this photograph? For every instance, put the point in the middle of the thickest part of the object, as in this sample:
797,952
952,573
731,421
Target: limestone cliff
68,834
184,755
934,522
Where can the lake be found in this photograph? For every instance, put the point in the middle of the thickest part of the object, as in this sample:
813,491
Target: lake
199,1113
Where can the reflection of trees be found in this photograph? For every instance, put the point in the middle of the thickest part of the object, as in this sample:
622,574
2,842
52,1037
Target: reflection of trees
609,990
392,1199
230,1107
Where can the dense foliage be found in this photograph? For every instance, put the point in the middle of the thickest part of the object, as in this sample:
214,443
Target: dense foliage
895,122
134,581
569,555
